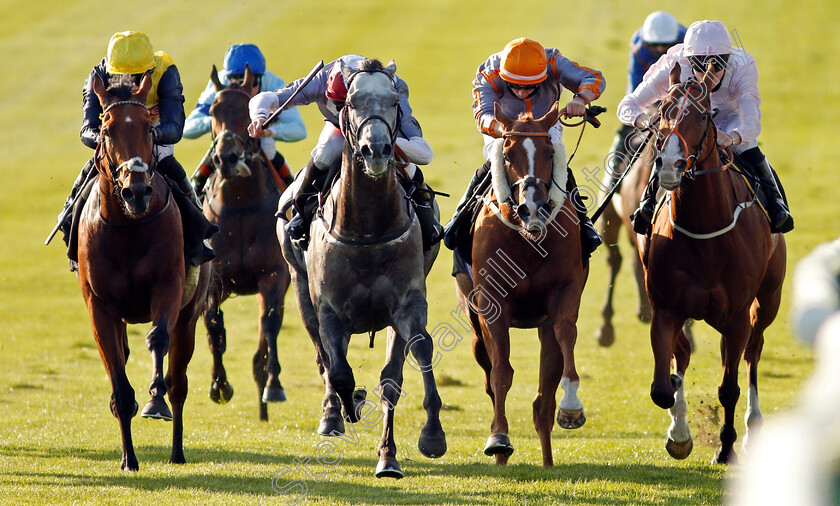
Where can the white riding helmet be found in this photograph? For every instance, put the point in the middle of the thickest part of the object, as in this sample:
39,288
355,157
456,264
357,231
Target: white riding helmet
660,28
707,37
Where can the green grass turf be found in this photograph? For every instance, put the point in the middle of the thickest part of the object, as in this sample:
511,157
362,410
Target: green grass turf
58,441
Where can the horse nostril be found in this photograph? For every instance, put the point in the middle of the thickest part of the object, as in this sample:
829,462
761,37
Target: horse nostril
522,211
680,164
366,151
386,151
127,194
232,158
147,192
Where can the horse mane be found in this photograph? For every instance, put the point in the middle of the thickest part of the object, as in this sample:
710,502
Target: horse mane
122,86
371,65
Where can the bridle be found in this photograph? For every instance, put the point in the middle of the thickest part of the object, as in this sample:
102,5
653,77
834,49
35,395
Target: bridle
246,154
689,166
134,164
352,134
534,181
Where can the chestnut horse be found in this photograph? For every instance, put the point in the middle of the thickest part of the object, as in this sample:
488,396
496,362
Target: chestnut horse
365,270
527,272
616,214
710,257
242,200
131,264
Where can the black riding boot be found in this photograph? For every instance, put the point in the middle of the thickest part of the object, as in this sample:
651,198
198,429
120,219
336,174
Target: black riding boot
424,205
590,239
282,169
64,217
781,220
298,226
479,182
199,181
197,230
643,217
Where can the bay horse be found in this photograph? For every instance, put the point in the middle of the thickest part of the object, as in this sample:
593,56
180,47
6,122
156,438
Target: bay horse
365,269
616,215
527,272
131,264
242,200
710,257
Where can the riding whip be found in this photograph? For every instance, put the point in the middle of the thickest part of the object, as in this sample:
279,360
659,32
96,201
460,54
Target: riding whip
269,120
609,196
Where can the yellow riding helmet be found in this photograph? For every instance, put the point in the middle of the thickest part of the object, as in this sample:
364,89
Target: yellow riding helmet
523,62
129,53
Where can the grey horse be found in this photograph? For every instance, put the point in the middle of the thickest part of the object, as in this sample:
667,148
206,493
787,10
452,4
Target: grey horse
365,270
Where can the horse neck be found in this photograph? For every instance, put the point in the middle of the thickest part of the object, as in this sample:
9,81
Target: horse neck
365,206
707,201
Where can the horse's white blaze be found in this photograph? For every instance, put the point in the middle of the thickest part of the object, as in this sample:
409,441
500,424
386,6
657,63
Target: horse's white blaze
570,399
671,154
679,431
128,119
753,414
531,151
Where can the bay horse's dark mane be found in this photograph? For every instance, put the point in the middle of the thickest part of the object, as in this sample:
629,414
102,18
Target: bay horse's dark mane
122,86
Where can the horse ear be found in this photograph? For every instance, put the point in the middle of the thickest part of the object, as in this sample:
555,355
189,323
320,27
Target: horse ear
674,76
501,117
550,117
145,87
248,83
392,67
214,78
99,89
346,70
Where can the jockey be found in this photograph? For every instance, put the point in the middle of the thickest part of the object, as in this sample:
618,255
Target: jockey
289,126
328,90
659,32
525,77
736,98
131,53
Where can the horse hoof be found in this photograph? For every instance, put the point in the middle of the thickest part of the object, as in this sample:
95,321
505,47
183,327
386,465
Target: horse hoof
661,398
644,316
570,418
679,450
221,392
388,467
606,336
331,425
273,394
177,459
130,465
157,408
722,457
498,443
432,446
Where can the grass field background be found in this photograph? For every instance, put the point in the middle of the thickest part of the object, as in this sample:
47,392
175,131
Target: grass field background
58,441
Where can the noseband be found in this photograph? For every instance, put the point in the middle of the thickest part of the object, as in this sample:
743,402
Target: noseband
135,164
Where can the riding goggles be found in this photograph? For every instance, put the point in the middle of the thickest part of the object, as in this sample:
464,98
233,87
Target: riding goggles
701,62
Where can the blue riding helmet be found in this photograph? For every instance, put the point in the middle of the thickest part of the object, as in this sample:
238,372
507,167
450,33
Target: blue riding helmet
240,54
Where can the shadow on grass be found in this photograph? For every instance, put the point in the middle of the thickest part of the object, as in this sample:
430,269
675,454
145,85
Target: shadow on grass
525,483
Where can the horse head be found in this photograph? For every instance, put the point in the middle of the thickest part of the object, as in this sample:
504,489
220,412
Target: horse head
124,155
370,117
685,123
232,145
526,156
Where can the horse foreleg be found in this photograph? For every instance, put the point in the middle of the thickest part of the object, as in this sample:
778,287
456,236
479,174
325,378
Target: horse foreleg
679,442
643,311
570,413
733,343
335,338
271,318
110,337
180,353
164,315
610,227
663,332
221,390
551,369
389,392
497,341
332,423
